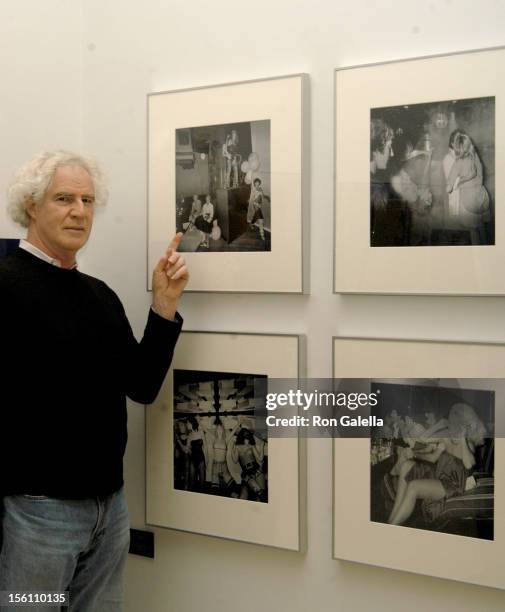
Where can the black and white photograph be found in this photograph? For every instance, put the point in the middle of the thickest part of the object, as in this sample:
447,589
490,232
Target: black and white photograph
219,448
211,465
432,174
223,193
227,167
432,460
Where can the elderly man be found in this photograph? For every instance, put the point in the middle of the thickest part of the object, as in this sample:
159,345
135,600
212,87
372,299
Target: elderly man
70,360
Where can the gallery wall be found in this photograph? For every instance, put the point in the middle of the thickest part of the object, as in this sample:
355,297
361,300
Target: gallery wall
76,74
40,85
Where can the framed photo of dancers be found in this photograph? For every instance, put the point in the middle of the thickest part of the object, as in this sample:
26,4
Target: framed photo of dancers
211,466
426,489
227,168
417,186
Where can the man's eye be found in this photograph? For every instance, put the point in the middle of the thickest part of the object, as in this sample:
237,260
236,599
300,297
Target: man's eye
64,198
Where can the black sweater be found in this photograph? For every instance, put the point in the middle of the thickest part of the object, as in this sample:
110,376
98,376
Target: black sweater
69,360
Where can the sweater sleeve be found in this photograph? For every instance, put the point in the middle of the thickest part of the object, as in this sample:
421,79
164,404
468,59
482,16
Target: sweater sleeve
146,363
150,359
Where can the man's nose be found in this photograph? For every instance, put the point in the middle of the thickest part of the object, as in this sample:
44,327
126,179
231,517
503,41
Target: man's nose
78,207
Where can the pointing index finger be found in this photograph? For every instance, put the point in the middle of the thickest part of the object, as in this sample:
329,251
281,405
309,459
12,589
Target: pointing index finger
176,241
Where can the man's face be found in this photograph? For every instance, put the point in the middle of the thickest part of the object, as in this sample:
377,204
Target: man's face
62,221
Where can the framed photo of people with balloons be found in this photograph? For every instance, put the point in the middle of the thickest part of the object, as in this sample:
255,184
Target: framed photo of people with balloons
227,168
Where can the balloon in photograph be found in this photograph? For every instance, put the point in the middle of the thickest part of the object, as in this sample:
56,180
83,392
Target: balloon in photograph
254,161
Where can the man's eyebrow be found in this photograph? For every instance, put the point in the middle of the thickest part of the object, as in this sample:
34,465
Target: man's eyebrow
68,193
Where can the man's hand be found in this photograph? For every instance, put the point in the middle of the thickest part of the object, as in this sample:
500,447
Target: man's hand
170,276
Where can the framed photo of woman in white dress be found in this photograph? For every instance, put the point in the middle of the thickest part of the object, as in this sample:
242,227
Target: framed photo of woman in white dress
418,176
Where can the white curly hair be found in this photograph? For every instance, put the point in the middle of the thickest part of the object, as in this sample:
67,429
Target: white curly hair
31,181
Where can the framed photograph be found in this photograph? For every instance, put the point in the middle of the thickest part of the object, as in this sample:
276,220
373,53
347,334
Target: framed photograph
425,494
211,466
417,192
227,167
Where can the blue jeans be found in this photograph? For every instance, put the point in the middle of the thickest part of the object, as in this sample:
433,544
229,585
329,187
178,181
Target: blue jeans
59,545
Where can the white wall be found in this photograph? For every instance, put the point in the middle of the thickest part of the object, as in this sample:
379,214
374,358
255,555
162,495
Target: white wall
40,85
128,49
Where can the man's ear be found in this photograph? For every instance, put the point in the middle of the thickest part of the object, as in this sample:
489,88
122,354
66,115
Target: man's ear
30,207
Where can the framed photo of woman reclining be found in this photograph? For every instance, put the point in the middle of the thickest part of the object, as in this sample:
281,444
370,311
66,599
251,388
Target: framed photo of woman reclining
227,167
211,466
424,494
418,176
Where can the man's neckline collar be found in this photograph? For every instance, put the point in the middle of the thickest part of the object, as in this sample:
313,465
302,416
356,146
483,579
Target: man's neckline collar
31,248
